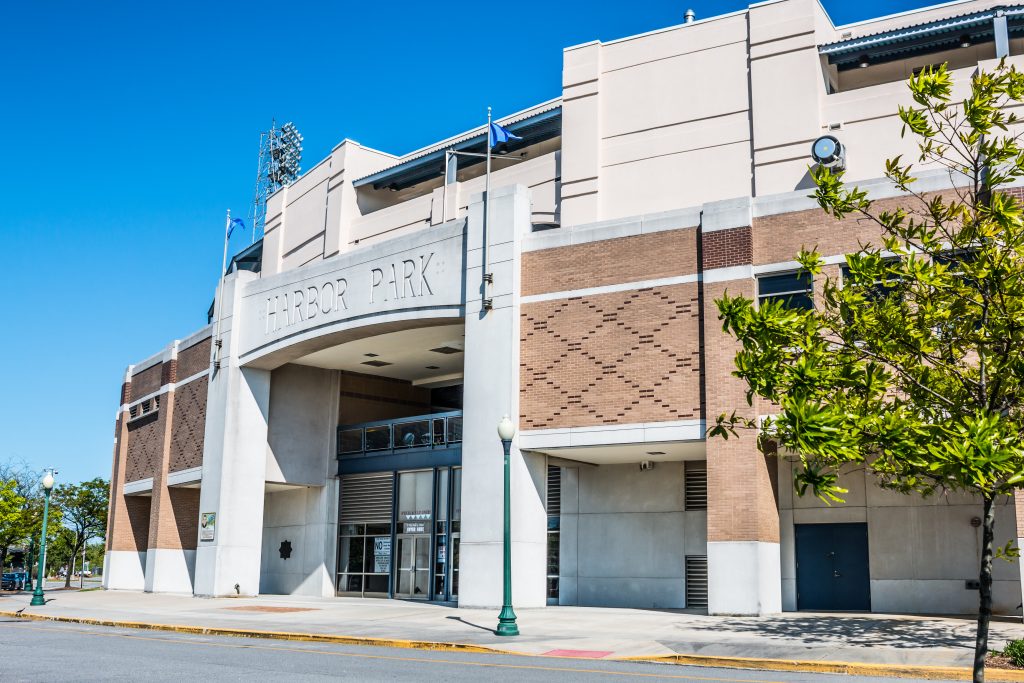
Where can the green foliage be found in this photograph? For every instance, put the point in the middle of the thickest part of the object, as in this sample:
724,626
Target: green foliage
11,504
1015,651
913,367
84,510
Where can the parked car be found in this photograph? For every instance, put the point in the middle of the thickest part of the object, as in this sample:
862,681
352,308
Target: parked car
14,581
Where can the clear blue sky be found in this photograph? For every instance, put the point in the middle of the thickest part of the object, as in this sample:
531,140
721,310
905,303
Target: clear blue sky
129,128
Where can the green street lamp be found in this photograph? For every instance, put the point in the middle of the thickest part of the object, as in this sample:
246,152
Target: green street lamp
507,618
37,596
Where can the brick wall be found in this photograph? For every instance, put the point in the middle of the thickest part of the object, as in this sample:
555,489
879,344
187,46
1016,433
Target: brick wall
189,425
625,259
624,357
194,359
147,381
724,248
741,491
131,531
145,437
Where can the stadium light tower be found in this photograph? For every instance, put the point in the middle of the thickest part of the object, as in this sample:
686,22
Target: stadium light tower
280,156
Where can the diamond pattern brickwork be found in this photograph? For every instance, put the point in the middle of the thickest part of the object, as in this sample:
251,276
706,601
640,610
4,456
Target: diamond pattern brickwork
622,357
189,426
145,437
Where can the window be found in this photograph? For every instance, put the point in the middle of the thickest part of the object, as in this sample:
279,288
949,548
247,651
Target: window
879,289
143,408
793,289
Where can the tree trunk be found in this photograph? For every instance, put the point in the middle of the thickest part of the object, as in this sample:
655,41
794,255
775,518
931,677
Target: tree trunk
71,566
985,590
3,558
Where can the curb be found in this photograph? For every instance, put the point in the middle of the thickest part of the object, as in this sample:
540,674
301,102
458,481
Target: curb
272,635
793,665
931,673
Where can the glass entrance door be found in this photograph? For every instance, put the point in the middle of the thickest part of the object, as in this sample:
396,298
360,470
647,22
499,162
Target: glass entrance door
412,575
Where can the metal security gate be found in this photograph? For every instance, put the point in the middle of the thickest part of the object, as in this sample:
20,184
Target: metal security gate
365,535
832,567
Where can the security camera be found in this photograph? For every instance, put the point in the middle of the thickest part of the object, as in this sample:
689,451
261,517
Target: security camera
646,465
829,153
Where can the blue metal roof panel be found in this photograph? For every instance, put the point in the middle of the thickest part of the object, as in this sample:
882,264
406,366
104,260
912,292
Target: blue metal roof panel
916,32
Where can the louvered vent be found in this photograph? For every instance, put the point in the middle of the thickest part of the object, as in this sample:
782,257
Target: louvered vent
696,581
695,484
366,498
554,490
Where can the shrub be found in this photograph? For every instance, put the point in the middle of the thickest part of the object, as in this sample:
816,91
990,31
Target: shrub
1015,651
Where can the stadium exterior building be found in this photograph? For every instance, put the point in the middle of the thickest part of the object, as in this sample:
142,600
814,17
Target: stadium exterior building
333,430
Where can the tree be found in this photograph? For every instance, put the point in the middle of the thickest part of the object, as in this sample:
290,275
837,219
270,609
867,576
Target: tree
16,529
12,508
914,366
84,508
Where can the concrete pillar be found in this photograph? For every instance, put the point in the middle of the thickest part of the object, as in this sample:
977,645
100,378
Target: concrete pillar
581,134
491,390
124,563
744,565
234,464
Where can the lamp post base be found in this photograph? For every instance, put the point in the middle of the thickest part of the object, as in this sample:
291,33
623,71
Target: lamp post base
507,622
37,599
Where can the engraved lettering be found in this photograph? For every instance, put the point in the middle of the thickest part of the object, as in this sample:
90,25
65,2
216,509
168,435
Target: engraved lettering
424,285
312,302
408,270
297,301
340,294
393,282
271,315
327,302
376,278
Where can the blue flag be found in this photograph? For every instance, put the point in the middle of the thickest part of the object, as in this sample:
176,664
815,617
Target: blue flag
234,222
500,135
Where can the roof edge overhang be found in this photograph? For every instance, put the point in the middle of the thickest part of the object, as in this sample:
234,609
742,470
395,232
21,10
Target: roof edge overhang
929,36
535,127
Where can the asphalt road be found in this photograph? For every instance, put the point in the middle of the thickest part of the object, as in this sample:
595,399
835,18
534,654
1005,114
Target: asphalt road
48,651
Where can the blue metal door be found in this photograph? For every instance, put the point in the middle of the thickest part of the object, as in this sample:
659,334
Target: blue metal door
832,567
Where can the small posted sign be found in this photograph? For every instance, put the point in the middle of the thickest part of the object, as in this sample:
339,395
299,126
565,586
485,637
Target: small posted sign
207,526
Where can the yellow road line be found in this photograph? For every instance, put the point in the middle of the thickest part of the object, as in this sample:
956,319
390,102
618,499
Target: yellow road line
805,666
534,667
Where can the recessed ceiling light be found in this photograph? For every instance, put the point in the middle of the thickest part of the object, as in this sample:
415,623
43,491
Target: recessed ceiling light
433,367
371,355
447,350
655,452
376,363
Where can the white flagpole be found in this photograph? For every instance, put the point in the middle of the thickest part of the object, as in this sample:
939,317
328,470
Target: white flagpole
220,293
487,215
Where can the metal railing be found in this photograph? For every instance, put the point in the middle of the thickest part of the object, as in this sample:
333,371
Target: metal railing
440,430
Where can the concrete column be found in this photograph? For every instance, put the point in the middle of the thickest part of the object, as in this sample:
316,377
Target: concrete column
234,464
492,390
744,568
124,564
581,134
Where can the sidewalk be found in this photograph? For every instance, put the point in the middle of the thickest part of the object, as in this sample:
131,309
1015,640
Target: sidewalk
567,631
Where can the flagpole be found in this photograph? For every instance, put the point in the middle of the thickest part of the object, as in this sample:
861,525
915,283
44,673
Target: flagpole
220,292
486,276
444,192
